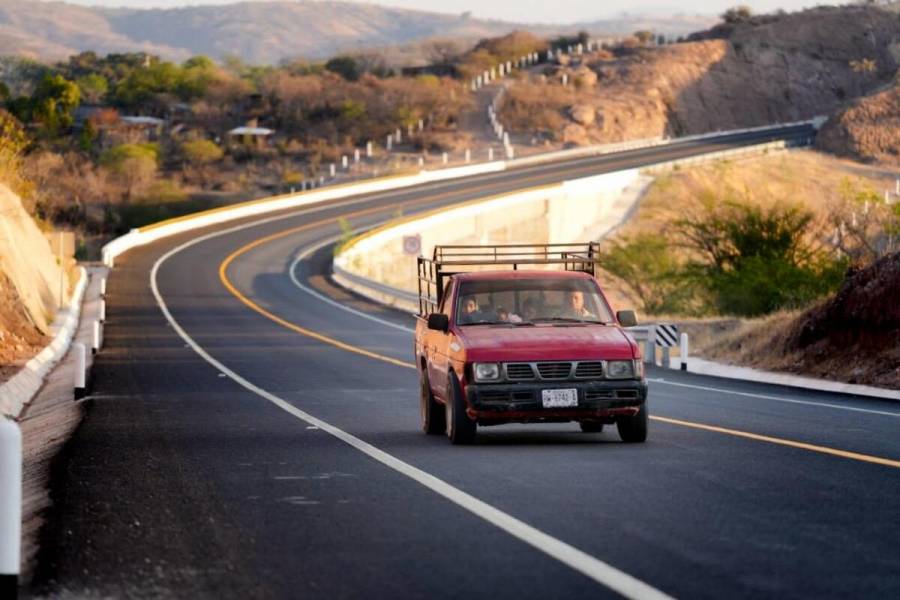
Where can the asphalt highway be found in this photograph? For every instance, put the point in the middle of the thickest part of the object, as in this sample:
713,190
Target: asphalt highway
249,436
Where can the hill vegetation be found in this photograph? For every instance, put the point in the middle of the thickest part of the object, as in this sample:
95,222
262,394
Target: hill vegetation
266,32
107,143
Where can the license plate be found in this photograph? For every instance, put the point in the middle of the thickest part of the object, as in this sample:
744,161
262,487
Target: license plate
559,398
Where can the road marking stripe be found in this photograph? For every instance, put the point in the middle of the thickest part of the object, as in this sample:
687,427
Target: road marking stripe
775,398
292,272
783,442
580,561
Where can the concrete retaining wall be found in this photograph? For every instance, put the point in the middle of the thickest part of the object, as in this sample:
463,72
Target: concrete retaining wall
586,209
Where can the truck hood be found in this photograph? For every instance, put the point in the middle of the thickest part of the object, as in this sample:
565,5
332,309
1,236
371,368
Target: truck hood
500,343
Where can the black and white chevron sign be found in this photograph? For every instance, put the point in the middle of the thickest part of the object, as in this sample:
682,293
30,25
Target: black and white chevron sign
666,335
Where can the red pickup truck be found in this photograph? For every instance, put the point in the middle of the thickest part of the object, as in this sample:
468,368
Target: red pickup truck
523,334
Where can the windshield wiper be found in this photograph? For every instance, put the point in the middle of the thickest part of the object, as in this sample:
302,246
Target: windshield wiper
570,320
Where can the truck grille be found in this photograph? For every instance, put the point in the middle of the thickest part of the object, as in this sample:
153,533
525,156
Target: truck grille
505,396
554,370
519,371
626,395
589,370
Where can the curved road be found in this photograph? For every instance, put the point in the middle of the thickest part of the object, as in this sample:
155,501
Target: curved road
255,438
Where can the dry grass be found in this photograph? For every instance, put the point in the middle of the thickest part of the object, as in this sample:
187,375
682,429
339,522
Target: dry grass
810,179
802,177
806,178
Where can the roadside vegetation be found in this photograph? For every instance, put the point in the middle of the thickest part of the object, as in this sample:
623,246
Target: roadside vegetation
774,233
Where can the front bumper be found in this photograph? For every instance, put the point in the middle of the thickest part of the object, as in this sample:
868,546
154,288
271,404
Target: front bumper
504,402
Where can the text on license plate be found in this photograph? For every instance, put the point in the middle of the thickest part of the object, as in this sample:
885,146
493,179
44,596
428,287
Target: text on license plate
559,398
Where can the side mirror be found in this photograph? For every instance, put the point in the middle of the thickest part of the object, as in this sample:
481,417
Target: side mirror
626,318
438,322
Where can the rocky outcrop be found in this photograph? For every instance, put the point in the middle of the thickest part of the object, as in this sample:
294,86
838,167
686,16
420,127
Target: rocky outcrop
778,69
867,130
583,114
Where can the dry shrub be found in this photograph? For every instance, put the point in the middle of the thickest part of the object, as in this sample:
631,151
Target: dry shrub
537,107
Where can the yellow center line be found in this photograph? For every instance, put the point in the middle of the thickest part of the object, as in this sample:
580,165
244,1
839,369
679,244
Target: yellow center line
223,276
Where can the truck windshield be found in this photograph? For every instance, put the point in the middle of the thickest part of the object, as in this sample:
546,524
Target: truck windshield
528,301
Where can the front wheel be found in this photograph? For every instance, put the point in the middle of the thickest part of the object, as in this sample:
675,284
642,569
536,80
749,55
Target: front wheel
633,429
432,413
460,428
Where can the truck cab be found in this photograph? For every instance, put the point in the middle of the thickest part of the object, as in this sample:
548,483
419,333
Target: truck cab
523,334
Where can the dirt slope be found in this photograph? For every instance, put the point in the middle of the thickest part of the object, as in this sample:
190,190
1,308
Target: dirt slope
29,285
868,130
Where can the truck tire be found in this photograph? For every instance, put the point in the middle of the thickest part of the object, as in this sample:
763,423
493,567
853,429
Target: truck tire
434,421
591,426
633,430
460,428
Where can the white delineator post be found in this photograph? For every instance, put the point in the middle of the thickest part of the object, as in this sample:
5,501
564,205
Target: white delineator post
10,507
97,341
468,155
490,154
368,149
650,346
103,287
80,370
102,315
683,351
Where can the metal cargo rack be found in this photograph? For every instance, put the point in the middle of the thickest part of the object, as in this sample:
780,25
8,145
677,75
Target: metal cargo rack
453,260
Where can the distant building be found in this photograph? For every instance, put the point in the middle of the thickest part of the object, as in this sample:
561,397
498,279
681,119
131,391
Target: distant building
250,135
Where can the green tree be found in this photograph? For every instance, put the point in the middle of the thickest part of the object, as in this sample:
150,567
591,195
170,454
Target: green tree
93,87
345,66
197,74
13,142
646,264
753,261
134,165
201,152
142,84
53,103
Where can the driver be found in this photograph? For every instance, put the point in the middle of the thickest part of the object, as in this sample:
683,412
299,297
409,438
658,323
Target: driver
574,306
471,313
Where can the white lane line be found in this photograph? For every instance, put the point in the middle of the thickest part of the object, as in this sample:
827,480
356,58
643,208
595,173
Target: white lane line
775,398
580,561
312,249
292,271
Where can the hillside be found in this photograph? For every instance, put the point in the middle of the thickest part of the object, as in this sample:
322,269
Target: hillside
259,32
868,130
781,68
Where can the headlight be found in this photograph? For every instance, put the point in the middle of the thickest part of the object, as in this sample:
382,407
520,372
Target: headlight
486,371
620,369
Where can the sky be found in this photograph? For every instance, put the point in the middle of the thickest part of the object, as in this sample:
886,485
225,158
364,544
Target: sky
530,11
